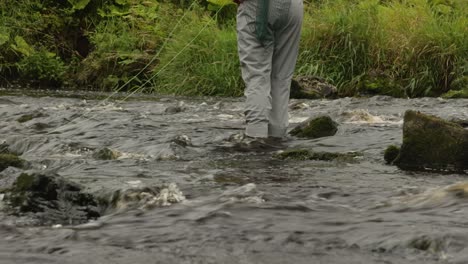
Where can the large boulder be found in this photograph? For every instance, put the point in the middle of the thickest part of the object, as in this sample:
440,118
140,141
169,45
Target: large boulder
322,126
312,87
431,143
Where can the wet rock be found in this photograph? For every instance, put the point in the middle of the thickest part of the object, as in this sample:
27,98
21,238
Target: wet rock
28,117
41,126
175,109
304,154
106,154
295,154
51,199
431,143
182,140
298,106
426,243
391,153
10,160
4,148
461,122
312,87
322,126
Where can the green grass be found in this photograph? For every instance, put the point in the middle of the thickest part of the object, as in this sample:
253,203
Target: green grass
400,48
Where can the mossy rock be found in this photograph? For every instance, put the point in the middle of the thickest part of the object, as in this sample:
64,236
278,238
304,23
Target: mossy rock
29,117
106,154
431,143
456,94
304,154
322,126
295,154
10,160
56,200
311,87
391,153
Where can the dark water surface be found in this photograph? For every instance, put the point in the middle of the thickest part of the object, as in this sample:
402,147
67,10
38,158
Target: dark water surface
238,207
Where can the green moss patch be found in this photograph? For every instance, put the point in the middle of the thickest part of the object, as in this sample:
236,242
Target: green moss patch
29,117
106,154
391,153
304,154
10,160
431,143
322,126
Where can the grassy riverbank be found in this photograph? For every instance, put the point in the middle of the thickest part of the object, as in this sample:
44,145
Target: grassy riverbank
400,48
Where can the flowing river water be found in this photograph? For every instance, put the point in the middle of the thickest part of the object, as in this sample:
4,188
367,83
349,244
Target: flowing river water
239,207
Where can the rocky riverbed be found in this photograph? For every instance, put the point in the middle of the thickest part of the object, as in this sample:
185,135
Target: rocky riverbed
165,192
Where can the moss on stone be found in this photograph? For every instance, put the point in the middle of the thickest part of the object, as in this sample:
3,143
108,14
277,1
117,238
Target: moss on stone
432,143
28,117
24,182
25,118
7,160
304,154
106,154
391,153
456,94
54,198
296,154
322,126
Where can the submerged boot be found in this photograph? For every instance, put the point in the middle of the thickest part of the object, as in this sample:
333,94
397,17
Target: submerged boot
242,142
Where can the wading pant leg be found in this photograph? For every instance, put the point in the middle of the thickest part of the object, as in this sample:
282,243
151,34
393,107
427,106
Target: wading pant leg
255,60
286,47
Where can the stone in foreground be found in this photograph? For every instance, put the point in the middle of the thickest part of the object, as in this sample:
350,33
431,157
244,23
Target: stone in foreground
322,126
50,199
431,143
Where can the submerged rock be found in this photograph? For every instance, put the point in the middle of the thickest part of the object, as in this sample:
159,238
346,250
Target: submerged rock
182,140
322,126
312,87
27,117
10,160
391,153
51,199
431,143
4,148
304,154
106,154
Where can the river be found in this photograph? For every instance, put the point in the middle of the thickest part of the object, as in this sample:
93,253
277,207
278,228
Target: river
237,207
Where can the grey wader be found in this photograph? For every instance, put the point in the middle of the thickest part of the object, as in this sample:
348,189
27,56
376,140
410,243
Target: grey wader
268,33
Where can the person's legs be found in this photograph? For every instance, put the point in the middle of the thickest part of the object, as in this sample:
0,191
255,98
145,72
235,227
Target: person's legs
285,54
255,59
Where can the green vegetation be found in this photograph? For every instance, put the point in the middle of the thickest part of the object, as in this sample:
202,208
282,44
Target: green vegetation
188,47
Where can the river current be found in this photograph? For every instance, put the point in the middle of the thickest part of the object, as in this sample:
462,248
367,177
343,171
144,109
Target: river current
236,207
